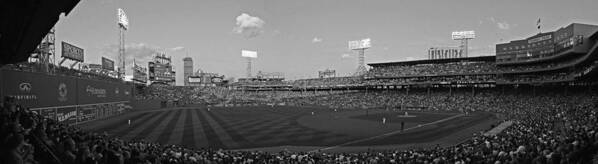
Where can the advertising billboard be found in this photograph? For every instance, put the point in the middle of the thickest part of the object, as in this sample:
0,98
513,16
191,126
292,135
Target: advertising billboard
193,79
91,67
249,54
139,74
32,89
107,64
63,98
95,66
92,91
457,35
36,90
217,79
72,52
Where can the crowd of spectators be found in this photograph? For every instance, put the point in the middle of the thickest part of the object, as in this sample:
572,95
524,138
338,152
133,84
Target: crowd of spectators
549,127
330,81
182,95
564,75
457,79
456,68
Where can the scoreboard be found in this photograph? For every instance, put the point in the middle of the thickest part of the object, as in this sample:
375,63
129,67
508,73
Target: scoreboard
159,72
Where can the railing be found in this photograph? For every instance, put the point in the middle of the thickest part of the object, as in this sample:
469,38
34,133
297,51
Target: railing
46,151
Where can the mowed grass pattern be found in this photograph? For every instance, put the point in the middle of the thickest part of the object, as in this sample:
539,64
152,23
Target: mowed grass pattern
256,127
222,128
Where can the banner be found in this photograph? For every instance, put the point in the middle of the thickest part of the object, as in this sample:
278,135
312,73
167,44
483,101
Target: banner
66,115
107,64
72,52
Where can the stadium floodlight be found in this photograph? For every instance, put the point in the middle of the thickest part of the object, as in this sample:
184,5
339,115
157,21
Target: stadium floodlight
459,35
464,37
123,25
248,54
366,43
360,44
122,19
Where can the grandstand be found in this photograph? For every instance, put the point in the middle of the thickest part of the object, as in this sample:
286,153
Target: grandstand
536,101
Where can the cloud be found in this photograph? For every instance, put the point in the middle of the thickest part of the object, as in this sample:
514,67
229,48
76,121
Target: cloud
249,26
503,25
140,52
179,48
316,40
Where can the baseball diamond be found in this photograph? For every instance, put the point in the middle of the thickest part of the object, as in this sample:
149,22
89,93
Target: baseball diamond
264,126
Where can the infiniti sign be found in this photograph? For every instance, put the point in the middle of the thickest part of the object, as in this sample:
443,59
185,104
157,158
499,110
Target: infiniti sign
25,87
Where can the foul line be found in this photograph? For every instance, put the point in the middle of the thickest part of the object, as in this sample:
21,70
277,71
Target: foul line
386,134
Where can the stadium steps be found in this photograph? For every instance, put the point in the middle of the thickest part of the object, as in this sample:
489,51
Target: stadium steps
496,130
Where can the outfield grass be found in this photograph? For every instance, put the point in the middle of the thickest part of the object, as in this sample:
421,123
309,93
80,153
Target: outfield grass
259,127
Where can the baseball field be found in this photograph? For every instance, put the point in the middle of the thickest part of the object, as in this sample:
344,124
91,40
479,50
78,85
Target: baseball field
298,128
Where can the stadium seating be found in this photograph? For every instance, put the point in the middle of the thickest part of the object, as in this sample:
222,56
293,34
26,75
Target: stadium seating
434,69
562,130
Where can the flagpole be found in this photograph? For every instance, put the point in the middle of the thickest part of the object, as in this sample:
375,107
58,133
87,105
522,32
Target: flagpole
539,25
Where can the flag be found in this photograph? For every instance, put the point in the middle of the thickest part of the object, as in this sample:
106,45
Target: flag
122,19
538,23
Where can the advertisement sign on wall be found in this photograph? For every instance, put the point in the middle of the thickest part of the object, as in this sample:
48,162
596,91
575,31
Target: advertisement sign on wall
72,52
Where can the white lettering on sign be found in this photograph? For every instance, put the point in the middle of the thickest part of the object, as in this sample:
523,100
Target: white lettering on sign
66,116
96,91
538,39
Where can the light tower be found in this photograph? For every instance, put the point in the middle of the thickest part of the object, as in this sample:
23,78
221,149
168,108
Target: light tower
46,51
464,37
249,55
360,46
123,25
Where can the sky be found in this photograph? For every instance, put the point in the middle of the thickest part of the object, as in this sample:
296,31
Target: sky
301,37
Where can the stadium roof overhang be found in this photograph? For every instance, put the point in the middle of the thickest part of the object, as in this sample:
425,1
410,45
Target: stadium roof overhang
437,61
594,36
24,23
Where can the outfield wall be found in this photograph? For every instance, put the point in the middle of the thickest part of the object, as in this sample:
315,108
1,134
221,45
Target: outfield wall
66,99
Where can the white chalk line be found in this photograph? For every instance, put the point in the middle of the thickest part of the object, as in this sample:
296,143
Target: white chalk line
386,134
